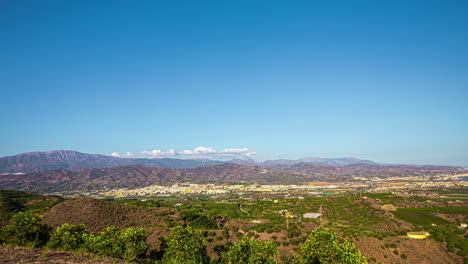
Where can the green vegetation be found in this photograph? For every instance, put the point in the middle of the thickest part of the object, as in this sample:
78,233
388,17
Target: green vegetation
185,245
250,251
25,229
323,246
12,202
233,229
452,236
68,237
128,244
418,217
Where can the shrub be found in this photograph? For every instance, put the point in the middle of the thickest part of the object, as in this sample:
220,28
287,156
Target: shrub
129,244
322,246
134,243
250,251
25,229
105,244
68,237
185,245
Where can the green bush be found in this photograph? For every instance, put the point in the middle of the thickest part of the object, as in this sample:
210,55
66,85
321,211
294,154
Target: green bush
185,245
129,244
25,229
68,237
250,251
134,242
322,246
105,244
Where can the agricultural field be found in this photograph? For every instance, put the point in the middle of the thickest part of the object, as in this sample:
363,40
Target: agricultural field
376,223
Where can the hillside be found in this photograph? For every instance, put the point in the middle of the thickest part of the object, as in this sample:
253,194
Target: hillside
139,176
74,160
99,214
16,201
135,176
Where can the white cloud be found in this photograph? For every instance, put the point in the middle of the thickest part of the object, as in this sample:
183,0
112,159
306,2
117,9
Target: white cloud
154,152
201,152
129,154
171,152
115,154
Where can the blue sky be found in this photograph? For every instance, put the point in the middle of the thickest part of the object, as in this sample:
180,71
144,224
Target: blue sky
381,80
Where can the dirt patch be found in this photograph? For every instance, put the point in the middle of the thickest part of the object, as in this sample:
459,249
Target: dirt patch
389,207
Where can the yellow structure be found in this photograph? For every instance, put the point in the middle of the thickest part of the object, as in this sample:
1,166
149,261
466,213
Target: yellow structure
418,235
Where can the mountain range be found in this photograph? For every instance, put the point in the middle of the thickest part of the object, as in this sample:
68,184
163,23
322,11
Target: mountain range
57,171
73,160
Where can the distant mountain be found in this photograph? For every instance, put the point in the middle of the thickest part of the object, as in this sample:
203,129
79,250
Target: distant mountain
74,160
133,176
320,161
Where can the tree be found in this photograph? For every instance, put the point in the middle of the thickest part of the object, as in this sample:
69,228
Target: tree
323,247
68,237
25,229
251,251
185,245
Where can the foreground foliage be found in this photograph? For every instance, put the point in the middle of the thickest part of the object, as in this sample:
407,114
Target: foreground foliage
128,244
25,229
186,245
322,246
250,251
68,237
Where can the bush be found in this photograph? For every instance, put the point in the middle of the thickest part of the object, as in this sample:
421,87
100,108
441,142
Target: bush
322,246
25,229
129,244
68,237
134,242
250,251
185,245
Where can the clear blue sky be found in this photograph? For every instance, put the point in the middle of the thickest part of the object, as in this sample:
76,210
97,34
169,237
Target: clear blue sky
381,80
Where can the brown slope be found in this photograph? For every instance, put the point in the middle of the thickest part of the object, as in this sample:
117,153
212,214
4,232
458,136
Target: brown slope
229,172
97,215
139,176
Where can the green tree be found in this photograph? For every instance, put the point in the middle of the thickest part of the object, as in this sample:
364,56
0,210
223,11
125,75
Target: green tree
323,247
251,251
68,237
185,245
25,229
